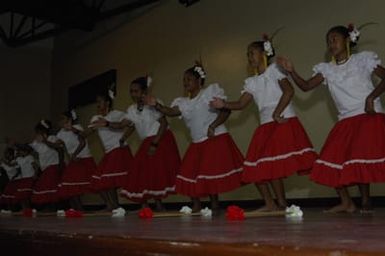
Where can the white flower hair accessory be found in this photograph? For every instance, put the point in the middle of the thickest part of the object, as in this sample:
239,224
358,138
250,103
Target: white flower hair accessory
268,48
200,71
60,213
149,81
111,94
206,212
186,210
44,123
74,115
294,211
6,212
267,45
118,212
354,33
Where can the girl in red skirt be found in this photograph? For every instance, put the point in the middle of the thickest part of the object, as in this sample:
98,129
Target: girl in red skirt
157,161
28,168
50,154
76,177
117,161
280,146
212,163
354,152
9,165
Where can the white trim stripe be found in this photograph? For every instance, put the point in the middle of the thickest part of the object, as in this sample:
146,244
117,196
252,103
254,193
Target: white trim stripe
7,196
278,157
209,177
109,175
73,183
353,161
148,192
24,189
44,192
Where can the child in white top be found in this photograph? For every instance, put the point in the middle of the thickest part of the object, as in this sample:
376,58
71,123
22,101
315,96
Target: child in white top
280,146
212,163
157,160
354,152
114,168
29,168
51,160
76,177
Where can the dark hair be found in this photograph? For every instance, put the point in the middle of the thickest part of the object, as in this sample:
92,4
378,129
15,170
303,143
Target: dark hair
142,82
259,45
40,127
10,151
69,115
24,147
106,98
342,30
195,73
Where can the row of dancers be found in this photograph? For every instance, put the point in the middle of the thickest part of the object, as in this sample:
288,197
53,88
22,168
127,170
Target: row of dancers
353,154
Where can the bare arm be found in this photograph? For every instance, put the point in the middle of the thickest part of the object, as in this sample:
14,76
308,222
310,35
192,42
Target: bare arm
127,131
58,145
155,142
222,116
162,128
87,132
101,122
80,147
17,173
240,104
304,85
167,111
380,88
287,95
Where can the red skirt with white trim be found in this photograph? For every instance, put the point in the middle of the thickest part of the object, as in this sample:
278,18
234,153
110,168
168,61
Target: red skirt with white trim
278,150
210,167
76,178
354,152
9,194
113,169
24,189
45,188
153,176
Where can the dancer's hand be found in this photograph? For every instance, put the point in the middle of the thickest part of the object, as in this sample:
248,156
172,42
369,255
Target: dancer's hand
369,106
152,149
279,119
101,122
210,131
149,100
217,103
285,63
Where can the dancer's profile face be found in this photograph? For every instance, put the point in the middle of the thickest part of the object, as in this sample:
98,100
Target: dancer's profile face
136,92
65,122
102,105
190,82
336,43
254,56
9,155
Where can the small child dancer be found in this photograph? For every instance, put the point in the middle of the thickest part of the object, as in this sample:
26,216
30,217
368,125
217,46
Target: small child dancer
8,163
354,152
51,161
76,177
280,146
29,169
117,162
213,163
157,161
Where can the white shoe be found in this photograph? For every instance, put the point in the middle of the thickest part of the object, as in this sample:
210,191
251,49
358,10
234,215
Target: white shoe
118,212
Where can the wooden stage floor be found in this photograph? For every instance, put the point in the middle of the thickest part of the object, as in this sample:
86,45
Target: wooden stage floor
316,234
